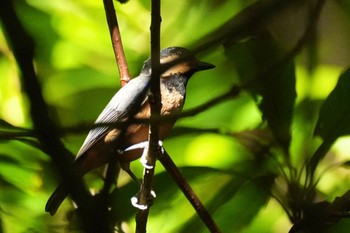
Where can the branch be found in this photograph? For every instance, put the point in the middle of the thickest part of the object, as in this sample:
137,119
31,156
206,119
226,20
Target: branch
112,170
186,189
116,42
155,103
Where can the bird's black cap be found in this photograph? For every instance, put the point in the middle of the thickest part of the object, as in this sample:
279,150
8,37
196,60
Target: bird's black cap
174,55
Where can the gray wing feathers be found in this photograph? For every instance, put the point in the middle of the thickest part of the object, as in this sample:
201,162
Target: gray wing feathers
126,99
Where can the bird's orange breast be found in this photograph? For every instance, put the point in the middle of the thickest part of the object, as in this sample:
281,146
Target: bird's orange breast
109,147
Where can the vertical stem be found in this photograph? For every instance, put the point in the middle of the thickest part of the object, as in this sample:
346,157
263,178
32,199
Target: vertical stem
155,103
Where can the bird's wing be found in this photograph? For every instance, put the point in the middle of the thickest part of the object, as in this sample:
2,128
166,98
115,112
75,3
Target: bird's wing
124,103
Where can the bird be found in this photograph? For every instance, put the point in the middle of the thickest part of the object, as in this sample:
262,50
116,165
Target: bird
107,143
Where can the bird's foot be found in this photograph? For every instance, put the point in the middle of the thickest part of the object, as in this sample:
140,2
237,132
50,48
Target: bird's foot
144,162
135,201
144,146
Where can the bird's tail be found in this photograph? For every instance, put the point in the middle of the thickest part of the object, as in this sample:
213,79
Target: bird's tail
56,199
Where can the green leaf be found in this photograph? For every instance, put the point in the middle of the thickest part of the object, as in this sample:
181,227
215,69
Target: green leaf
245,204
235,205
22,178
334,117
270,79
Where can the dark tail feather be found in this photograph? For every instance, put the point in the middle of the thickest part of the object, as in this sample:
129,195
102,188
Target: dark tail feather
56,199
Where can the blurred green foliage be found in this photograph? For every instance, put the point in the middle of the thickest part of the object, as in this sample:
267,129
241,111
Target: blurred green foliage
253,174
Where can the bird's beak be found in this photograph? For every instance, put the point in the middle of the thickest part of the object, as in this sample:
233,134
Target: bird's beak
200,65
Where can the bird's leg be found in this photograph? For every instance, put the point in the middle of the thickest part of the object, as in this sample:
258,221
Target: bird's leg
144,146
143,160
126,167
134,200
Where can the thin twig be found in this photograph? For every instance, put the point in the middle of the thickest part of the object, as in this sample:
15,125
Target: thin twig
186,189
155,103
116,42
113,168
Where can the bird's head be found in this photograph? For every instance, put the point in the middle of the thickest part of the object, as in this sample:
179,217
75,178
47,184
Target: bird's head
184,62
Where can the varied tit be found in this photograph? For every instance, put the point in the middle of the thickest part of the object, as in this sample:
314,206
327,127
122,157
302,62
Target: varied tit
104,144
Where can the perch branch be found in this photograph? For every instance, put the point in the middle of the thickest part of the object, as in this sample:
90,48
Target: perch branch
155,103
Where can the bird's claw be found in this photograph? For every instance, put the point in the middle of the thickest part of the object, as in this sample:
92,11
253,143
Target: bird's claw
135,200
140,145
144,162
144,146
143,159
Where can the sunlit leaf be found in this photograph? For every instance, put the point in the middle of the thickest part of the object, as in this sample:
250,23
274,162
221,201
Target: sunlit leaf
236,204
23,179
31,142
